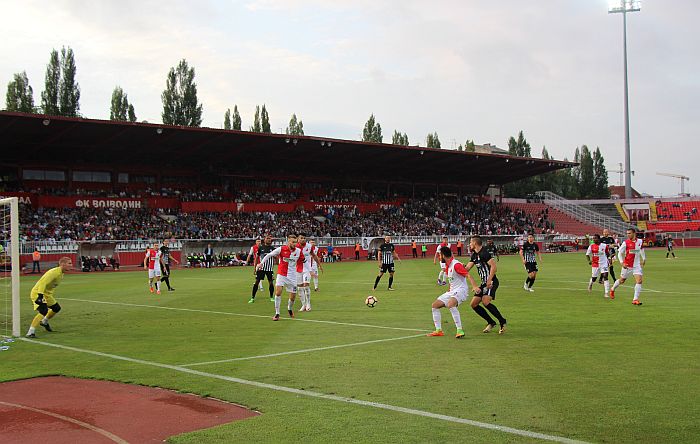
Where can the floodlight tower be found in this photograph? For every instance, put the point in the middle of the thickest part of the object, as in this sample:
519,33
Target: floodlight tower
625,6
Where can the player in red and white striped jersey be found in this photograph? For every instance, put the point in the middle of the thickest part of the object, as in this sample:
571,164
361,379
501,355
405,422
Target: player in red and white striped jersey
597,255
254,256
632,257
457,293
291,260
310,253
442,276
153,262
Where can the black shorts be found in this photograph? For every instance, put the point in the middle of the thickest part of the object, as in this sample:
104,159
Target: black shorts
488,291
260,275
531,267
670,247
387,268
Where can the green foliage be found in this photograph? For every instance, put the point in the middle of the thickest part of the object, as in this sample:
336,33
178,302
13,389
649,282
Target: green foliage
227,119
20,96
180,104
265,120
257,127
433,141
372,131
399,138
120,108
69,90
469,146
236,119
296,127
49,96
600,175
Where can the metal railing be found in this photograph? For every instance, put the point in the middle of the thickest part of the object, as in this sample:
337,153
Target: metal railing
582,214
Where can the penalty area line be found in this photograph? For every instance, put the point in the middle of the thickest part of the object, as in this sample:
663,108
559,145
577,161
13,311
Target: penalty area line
307,350
312,394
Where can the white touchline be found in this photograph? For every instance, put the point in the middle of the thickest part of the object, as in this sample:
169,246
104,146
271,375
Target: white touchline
124,304
271,355
105,433
279,388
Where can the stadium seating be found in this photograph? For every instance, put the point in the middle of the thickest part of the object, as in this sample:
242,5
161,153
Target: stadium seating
561,222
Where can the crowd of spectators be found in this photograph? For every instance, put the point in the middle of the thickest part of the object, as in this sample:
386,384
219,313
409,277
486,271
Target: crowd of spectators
443,215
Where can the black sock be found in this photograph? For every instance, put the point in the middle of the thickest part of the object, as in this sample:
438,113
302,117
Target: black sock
532,282
527,281
674,255
481,312
255,289
494,311
593,280
376,282
272,289
391,280
612,274
167,281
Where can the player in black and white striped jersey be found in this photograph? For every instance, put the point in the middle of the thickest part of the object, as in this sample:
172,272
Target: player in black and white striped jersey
267,269
486,292
529,253
385,258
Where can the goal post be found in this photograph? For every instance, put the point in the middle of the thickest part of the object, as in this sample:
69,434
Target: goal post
9,208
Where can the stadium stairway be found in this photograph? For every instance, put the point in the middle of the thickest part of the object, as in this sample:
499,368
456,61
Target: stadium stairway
563,223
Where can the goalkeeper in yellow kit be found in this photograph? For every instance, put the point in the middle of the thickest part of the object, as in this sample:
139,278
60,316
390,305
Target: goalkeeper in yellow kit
42,296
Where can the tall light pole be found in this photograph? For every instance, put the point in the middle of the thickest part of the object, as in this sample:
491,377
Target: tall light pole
625,6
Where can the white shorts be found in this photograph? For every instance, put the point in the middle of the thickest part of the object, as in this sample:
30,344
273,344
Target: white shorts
155,272
443,266
314,271
304,277
629,271
460,295
289,283
597,270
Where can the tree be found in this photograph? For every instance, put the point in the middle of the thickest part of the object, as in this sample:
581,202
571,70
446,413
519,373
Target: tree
399,138
265,120
20,96
49,96
236,119
256,128
600,176
295,128
119,109
519,147
469,146
227,119
132,114
372,131
180,104
433,141
69,90
586,185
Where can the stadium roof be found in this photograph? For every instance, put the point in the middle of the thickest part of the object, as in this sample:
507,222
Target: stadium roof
31,139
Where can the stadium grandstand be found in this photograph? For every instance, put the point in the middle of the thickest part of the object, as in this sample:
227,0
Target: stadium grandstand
84,184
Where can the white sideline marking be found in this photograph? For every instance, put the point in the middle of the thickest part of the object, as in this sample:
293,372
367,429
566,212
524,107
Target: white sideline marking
272,355
279,388
105,433
124,304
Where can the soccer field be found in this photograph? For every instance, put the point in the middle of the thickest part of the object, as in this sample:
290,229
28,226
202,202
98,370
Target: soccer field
572,364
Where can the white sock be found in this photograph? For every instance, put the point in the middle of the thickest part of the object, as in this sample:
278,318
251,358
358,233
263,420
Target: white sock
158,285
637,290
441,275
316,283
290,304
278,302
45,320
308,297
437,319
607,287
302,296
456,317
260,286
616,284
31,331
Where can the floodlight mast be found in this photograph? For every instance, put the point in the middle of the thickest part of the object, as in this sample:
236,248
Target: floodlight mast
625,6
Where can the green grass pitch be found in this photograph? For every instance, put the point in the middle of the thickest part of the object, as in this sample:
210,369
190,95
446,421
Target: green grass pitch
572,364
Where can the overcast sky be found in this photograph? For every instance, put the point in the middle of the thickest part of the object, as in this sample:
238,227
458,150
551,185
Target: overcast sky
467,69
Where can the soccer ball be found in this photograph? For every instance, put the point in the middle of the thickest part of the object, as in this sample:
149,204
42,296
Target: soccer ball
371,301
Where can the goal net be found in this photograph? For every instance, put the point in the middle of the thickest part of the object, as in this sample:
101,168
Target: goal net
9,270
